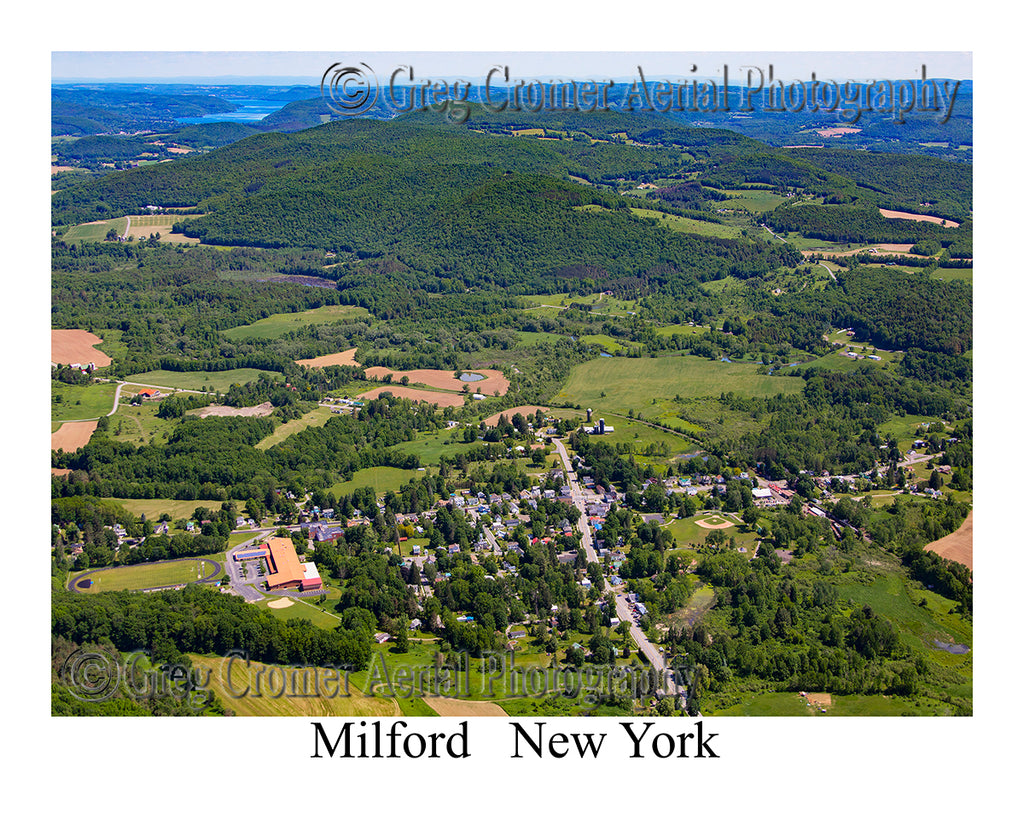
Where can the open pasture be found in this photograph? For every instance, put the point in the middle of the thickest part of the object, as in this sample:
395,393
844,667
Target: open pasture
199,380
69,402
314,418
382,479
623,384
278,324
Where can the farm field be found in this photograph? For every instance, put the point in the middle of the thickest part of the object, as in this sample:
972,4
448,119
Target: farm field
958,545
278,324
95,231
147,575
623,384
72,435
314,418
69,402
346,358
493,382
917,217
76,347
261,683
442,399
200,381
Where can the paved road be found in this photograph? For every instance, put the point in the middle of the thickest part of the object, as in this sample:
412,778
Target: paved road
127,227
586,537
829,269
647,648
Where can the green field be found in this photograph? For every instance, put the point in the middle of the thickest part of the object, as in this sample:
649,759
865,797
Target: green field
95,232
683,224
606,341
139,424
382,479
148,575
302,610
211,382
73,403
278,324
430,446
623,384
260,690
152,508
950,274
679,330
756,201
530,339
892,597
313,418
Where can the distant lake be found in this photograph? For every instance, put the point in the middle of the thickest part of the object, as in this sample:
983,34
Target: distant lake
248,111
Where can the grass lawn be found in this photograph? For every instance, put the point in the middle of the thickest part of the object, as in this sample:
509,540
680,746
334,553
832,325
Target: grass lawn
211,382
382,479
687,532
278,324
303,609
314,418
623,384
148,575
73,403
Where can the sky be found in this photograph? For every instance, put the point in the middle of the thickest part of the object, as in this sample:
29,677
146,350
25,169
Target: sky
292,67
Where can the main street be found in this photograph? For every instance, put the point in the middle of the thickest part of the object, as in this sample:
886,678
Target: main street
622,610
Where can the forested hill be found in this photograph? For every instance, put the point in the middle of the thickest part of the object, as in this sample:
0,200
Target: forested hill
473,207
